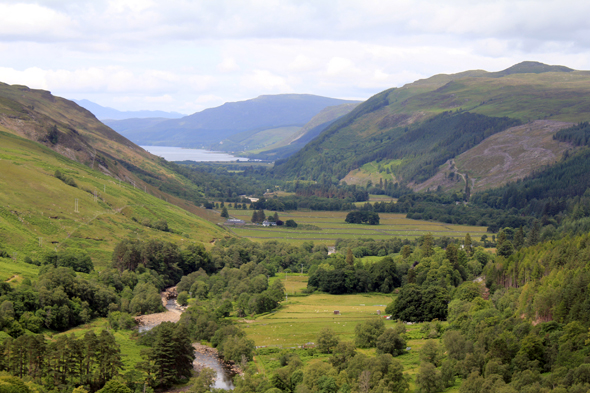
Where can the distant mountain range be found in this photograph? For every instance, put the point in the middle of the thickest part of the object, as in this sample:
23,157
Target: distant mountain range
216,127
105,113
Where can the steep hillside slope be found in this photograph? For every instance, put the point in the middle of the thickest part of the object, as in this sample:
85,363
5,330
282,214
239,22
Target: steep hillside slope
507,156
86,209
426,123
210,127
74,132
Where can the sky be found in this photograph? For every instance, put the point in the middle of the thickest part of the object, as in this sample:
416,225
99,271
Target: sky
188,55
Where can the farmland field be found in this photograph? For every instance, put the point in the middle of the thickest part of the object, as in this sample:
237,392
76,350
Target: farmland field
332,227
299,320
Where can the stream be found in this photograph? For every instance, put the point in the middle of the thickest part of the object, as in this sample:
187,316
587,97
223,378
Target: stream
204,355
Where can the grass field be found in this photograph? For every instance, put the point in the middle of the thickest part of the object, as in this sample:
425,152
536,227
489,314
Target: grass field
301,318
333,227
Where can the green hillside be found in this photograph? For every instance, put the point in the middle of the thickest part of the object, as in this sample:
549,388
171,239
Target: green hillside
430,121
74,132
37,210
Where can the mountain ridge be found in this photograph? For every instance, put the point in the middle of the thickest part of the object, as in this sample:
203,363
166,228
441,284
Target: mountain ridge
525,92
106,113
206,129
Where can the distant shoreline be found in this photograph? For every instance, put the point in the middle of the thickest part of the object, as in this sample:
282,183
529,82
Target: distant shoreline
171,153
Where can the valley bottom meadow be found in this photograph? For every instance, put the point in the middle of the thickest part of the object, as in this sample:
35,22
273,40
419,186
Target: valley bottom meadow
330,226
299,319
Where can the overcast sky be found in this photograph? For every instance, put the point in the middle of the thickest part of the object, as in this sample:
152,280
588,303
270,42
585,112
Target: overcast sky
188,55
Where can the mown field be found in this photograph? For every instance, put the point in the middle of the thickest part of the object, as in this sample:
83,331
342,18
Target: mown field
332,226
299,320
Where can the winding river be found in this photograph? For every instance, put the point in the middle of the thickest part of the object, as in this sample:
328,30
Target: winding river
204,356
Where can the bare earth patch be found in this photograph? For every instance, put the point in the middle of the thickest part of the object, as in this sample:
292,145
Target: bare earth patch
507,156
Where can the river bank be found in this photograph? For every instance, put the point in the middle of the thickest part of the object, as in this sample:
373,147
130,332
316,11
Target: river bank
205,357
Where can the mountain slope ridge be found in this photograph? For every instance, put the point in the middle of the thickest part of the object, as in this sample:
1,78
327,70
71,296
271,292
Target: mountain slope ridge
211,126
525,92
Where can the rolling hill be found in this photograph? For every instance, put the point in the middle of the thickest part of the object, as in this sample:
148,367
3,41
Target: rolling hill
413,131
211,127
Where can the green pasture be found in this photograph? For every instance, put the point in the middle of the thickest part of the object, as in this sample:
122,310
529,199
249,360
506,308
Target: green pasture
300,319
332,226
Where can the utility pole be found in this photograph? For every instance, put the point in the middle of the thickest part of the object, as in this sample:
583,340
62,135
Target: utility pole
286,293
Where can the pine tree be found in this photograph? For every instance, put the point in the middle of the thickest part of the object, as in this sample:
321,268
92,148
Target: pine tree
533,235
519,239
467,244
349,258
224,212
501,238
254,218
406,251
185,353
428,245
163,355
109,356
261,215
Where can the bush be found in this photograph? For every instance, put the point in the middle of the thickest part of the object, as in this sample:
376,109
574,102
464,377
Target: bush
182,298
291,224
161,225
368,332
326,341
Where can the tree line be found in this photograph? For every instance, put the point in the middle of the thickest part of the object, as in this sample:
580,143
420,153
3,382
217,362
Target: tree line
65,362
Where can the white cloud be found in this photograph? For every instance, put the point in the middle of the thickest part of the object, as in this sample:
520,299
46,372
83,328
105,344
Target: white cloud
339,66
228,65
228,50
266,82
34,22
160,99
303,63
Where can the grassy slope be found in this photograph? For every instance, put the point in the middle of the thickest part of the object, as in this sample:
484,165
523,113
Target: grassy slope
80,136
34,204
